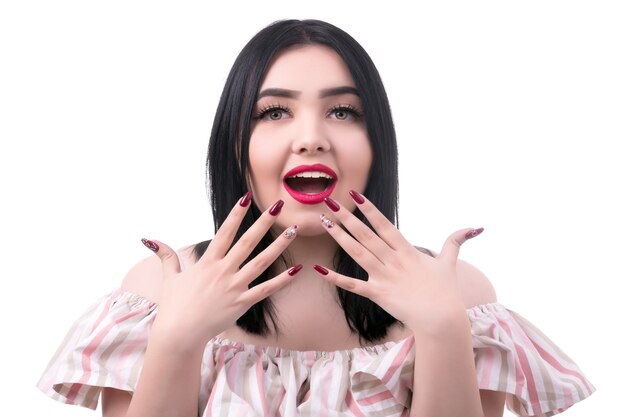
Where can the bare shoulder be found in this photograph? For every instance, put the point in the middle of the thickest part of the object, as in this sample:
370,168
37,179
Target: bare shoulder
475,287
146,276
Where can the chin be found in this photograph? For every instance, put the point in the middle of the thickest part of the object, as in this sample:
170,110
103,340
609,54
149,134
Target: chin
307,219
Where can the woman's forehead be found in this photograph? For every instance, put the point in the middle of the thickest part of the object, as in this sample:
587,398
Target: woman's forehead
307,68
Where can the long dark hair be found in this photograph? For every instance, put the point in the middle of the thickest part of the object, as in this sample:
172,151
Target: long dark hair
227,159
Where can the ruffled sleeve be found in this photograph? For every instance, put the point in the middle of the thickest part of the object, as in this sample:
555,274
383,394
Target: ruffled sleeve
511,356
514,357
104,348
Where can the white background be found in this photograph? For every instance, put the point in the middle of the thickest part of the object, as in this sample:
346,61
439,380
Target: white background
509,116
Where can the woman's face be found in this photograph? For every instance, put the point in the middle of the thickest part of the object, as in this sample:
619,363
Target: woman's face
309,139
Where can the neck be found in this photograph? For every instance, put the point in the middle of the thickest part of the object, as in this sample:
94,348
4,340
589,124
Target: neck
308,251
311,250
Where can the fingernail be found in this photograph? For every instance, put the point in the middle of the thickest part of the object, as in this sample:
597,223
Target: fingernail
150,245
326,221
321,269
358,198
293,271
474,233
277,207
332,204
291,232
245,200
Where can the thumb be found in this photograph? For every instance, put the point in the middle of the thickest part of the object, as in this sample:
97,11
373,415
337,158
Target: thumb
167,255
450,250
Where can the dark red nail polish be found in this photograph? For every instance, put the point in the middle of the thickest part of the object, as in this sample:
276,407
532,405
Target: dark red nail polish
150,245
358,198
245,200
332,204
474,233
293,271
321,269
277,207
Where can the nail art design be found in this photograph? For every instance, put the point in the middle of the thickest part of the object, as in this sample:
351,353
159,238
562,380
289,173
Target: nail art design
291,232
474,233
328,223
150,245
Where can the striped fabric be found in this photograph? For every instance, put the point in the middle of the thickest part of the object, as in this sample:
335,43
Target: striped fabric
105,348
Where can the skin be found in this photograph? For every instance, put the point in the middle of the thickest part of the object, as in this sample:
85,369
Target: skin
306,130
429,295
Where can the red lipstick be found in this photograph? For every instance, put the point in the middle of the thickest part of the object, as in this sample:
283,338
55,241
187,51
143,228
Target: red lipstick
311,198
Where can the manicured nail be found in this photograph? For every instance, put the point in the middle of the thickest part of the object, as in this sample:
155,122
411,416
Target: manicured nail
332,204
474,233
291,232
293,271
150,245
245,200
321,269
358,198
277,207
326,221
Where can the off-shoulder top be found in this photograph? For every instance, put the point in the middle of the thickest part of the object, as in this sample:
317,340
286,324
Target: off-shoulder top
105,348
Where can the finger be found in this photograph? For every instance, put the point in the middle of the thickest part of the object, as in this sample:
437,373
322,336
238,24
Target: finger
248,241
263,260
360,231
387,231
358,252
167,255
269,287
452,246
354,285
226,233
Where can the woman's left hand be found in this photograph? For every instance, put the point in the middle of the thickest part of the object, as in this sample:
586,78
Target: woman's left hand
419,290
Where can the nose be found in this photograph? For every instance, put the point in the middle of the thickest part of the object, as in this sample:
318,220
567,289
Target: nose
310,136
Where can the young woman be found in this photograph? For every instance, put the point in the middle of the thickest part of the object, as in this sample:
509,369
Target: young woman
308,301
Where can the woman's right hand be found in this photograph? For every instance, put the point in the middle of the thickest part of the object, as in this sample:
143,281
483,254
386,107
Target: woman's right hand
208,297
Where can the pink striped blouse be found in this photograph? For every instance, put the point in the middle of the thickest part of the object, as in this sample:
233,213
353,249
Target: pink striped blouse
105,348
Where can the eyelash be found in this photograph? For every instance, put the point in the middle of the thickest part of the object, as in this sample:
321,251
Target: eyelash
340,107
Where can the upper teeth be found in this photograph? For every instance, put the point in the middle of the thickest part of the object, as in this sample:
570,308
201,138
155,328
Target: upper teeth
312,174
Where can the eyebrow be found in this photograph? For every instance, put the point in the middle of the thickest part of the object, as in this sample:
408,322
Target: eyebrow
327,92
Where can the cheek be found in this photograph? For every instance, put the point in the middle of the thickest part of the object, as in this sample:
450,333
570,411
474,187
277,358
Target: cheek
264,156
258,153
261,154
358,156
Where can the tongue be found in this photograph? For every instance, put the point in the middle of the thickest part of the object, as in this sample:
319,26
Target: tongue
308,185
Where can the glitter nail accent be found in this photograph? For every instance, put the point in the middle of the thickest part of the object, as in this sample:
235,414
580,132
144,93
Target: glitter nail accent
326,221
291,232
474,233
150,245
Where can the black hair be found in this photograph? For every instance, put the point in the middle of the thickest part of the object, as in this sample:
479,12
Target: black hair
227,159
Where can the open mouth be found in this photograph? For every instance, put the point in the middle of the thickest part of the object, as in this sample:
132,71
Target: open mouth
310,184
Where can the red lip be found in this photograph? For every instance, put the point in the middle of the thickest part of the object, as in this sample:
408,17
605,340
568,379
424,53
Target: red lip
310,198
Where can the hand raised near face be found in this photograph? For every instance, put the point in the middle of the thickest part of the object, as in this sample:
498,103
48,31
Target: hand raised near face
415,288
208,297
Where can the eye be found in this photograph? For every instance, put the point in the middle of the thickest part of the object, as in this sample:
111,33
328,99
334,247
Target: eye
272,112
345,112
